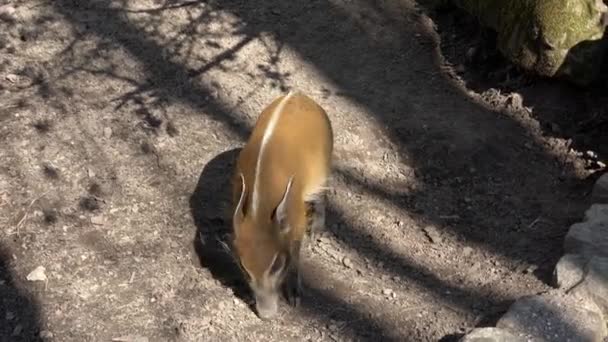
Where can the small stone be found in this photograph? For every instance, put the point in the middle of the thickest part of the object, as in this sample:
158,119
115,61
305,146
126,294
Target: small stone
432,234
599,194
530,269
91,173
97,220
591,154
491,335
516,101
18,329
347,262
466,251
387,292
46,334
38,274
7,10
130,338
107,132
12,78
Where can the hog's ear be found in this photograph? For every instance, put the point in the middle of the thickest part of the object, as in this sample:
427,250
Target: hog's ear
239,214
279,214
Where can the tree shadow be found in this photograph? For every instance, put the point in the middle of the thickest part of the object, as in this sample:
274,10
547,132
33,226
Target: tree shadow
20,313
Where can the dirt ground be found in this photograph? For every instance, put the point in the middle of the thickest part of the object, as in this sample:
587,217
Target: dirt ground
455,180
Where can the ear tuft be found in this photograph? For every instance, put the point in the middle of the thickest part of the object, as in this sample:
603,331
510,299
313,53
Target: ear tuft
279,215
238,215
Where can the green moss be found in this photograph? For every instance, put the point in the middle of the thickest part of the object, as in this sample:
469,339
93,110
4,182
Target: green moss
549,37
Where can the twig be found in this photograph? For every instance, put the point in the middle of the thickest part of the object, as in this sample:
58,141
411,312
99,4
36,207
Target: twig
25,215
538,219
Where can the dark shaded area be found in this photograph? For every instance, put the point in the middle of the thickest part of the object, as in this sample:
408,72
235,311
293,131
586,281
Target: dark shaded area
209,205
43,126
88,203
564,110
20,319
50,171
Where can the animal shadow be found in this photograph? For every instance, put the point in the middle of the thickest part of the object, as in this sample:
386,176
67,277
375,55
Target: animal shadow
210,208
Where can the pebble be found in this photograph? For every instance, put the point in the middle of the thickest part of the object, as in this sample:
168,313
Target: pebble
12,78
46,334
97,220
18,329
516,101
466,251
107,132
432,234
130,338
347,262
531,269
7,10
37,274
387,292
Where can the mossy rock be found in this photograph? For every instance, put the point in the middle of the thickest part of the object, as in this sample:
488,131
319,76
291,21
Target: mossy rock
553,38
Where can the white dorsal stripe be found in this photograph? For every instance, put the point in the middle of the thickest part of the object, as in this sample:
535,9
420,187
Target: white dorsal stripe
274,118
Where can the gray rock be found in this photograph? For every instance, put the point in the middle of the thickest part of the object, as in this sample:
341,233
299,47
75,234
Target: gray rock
590,237
491,335
555,316
600,190
586,278
569,271
597,212
596,283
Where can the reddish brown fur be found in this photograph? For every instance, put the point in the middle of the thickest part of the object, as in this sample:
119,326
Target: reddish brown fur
301,146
